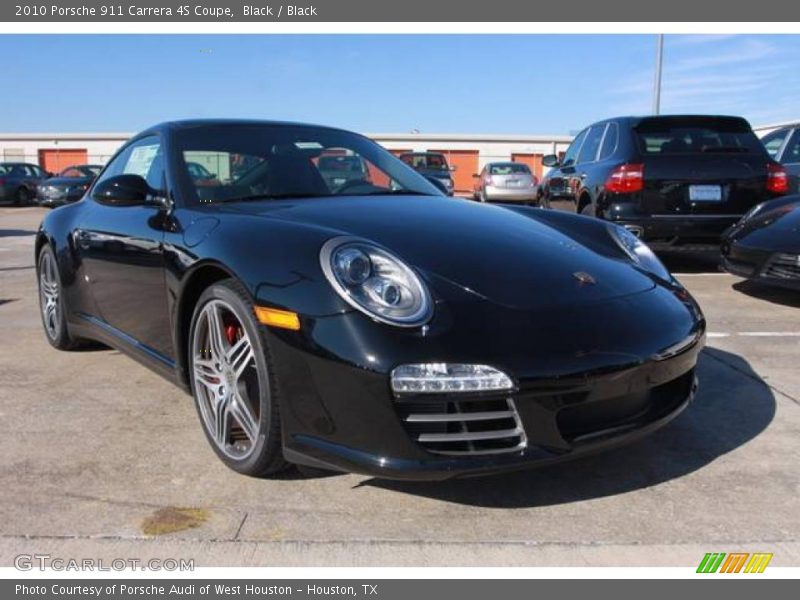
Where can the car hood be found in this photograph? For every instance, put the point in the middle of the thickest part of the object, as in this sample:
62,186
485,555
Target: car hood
469,250
438,173
777,229
66,181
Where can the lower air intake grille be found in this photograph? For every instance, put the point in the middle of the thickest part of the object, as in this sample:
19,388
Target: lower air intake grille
468,426
783,266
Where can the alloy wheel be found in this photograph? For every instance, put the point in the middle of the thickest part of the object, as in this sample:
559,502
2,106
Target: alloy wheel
226,382
49,295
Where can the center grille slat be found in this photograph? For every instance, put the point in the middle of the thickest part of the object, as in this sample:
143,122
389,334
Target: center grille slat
478,416
473,425
783,266
467,436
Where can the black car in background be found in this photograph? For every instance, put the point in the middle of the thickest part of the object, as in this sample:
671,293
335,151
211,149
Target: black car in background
19,181
668,179
783,145
67,186
432,165
765,244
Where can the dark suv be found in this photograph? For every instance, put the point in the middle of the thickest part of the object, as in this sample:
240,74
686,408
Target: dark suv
673,179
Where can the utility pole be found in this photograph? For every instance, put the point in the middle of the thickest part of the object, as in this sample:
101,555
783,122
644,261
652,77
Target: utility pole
657,83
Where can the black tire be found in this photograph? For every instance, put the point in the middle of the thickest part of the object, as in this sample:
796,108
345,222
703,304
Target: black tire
588,209
265,456
56,332
22,196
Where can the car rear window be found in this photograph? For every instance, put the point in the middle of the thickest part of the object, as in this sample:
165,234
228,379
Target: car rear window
695,135
510,168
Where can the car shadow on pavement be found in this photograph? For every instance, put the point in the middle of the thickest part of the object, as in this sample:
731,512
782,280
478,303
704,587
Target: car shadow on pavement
733,406
696,261
16,232
776,295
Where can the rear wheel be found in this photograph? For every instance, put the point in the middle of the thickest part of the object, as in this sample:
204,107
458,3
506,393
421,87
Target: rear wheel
22,196
232,381
587,208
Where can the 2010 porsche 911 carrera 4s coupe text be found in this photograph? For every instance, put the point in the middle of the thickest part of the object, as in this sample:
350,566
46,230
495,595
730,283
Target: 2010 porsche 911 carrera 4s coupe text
375,326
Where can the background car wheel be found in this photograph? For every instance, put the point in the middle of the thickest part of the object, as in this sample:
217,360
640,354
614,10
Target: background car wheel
51,302
22,197
589,210
233,382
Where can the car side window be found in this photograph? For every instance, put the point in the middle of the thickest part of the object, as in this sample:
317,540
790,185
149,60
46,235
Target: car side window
773,141
143,157
791,154
591,144
610,141
31,172
572,152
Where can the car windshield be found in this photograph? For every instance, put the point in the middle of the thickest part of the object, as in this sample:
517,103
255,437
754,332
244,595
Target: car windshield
509,169
431,162
696,135
252,161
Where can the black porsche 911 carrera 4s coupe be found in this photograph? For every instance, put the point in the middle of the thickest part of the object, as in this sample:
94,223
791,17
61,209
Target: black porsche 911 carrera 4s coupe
764,245
378,326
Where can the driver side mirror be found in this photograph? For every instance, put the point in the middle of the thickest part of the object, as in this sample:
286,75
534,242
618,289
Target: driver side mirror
126,190
550,160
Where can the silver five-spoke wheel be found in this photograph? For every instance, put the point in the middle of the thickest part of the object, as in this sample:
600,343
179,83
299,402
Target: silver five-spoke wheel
226,382
49,295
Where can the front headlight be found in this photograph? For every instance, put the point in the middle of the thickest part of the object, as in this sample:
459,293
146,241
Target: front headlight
638,251
376,282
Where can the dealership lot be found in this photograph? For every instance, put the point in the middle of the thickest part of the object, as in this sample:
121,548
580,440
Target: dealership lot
100,457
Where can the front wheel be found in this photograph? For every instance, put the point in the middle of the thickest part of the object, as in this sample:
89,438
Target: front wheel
51,301
233,383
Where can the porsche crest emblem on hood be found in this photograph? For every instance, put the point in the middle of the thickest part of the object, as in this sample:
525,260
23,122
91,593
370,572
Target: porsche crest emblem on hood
584,278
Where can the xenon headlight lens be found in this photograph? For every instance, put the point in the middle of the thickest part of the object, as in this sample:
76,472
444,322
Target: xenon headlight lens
376,282
639,252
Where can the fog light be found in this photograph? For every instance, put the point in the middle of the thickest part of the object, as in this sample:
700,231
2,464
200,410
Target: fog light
447,378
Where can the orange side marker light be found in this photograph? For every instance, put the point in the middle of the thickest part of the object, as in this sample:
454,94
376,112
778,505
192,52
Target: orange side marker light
285,319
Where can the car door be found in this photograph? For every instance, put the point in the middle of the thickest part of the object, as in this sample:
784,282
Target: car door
121,248
564,172
790,159
580,181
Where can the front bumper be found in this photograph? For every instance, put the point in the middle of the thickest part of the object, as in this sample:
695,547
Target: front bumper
498,194
765,266
675,229
574,394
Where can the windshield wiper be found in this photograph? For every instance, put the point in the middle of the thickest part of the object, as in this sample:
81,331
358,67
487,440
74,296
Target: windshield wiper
723,149
393,193
268,197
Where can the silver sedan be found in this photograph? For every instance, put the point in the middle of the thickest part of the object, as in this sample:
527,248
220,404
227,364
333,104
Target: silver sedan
505,182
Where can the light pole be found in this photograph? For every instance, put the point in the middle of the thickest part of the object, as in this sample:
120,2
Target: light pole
657,82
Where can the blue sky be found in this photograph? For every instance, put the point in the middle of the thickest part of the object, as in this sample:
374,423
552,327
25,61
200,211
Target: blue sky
436,83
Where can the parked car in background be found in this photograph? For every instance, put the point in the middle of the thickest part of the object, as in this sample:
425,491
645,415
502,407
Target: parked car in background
67,186
505,182
783,145
340,169
668,179
765,244
200,175
381,328
432,165
19,181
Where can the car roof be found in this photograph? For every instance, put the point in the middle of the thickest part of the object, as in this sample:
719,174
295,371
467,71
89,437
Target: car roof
636,119
198,123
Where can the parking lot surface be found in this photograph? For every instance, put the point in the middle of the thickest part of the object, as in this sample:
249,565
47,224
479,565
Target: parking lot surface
101,458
